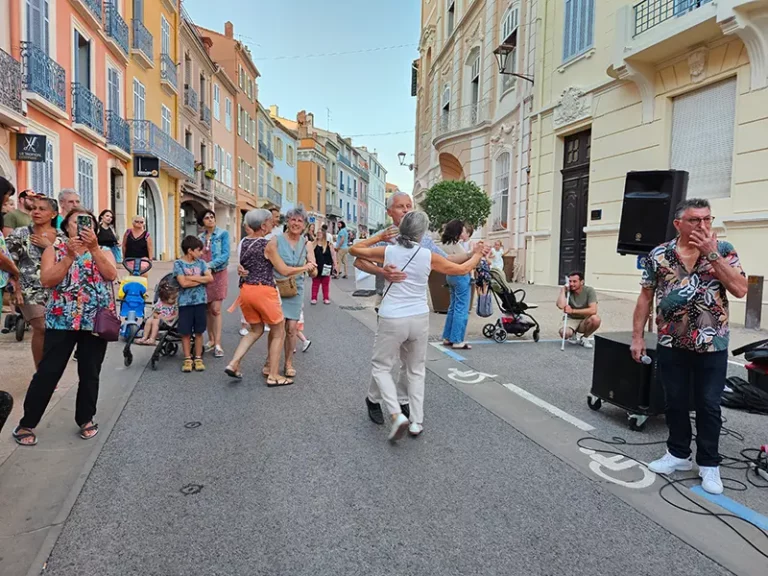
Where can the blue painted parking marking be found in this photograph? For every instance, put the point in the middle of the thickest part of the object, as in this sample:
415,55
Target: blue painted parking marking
734,507
448,352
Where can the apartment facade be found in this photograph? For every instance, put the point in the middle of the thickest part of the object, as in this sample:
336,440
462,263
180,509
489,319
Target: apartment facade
473,122
235,58
333,205
268,195
361,168
12,118
284,145
646,86
224,92
376,191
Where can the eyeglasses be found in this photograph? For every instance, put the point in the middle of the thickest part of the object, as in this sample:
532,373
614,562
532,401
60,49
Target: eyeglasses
138,221
697,221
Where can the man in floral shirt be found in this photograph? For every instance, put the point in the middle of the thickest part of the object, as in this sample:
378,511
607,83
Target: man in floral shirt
691,277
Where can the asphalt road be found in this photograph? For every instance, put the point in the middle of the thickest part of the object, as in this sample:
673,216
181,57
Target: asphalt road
205,476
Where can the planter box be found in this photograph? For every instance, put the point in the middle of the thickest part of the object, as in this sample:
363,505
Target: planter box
438,291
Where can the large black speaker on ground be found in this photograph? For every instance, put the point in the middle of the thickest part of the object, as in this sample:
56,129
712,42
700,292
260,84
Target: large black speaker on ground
648,212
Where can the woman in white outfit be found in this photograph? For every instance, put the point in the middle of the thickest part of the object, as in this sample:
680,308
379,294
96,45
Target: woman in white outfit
404,314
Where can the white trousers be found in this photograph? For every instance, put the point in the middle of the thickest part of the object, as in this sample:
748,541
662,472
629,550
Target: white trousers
407,338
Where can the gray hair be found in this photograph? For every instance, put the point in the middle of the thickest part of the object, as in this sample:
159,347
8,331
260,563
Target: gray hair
695,203
256,218
297,212
391,199
67,192
413,226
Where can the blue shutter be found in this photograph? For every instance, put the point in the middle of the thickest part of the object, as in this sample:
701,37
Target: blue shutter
567,34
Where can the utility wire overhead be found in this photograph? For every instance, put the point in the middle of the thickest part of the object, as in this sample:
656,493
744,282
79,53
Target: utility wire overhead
341,53
379,134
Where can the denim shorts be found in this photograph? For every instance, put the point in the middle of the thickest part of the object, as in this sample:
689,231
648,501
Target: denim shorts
192,319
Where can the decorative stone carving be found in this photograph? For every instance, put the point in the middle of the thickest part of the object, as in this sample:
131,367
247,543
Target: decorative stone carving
475,35
574,105
697,63
500,137
427,38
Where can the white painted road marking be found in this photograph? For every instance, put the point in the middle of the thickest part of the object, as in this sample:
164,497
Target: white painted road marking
554,410
468,376
618,463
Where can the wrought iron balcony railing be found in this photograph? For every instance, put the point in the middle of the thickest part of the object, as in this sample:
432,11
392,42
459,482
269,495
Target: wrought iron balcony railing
190,97
10,82
651,13
223,193
266,152
344,160
43,75
463,117
118,132
168,70
87,109
331,209
205,113
142,40
115,27
362,172
148,138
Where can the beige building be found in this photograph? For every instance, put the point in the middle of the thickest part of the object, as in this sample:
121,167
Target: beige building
651,85
472,121
224,91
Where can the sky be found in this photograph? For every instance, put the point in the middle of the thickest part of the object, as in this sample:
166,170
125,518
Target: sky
367,93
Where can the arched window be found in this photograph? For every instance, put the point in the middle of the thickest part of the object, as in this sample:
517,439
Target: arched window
500,210
145,207
508,36
473,90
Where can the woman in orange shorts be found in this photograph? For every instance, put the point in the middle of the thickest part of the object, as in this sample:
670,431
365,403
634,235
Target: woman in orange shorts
258,299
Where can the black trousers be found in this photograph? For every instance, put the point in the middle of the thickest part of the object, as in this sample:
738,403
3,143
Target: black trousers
57,350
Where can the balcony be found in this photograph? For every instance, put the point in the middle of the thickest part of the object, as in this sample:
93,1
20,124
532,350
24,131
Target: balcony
118,136
650,13
344,160
10,92
90,10
171,5
363,173
116,31
462,119
205,114
191,100
274,196
223,193
142,46
332,210
169,77
44,81
149,140
87,113
266,152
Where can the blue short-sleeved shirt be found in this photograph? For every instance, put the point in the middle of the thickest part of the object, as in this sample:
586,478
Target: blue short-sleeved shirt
342,238
196,295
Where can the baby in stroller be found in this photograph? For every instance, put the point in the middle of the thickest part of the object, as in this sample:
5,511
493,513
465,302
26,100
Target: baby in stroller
165,312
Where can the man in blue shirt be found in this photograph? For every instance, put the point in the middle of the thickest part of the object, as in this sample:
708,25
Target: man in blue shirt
398,205
342,248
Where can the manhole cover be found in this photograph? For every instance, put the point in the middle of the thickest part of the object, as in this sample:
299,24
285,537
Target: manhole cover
353,307
191,489
191,425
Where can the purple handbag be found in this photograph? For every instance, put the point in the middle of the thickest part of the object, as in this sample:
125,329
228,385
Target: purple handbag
106,325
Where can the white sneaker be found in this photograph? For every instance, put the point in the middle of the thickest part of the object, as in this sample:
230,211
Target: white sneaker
710,479
415,429
668,464
306,345
587,343
575,339
243,331
399,428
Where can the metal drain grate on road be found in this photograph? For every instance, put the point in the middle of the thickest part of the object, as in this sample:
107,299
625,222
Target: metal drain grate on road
354,308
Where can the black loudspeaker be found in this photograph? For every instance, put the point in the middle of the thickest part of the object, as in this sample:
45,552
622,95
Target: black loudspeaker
648,212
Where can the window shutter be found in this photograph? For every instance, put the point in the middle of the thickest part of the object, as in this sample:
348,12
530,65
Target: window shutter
702,145
414,78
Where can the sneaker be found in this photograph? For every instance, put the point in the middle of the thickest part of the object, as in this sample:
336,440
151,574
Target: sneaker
199,366
415,429
374,412
406,410
399,428
243,331
710,479
575,339
313,302
209,346
587,343
668,464
326,301
306,345
186,366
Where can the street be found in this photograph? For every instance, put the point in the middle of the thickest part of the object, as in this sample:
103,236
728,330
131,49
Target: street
204,475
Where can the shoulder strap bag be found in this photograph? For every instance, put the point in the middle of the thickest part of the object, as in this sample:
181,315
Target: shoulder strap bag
288,287
106,325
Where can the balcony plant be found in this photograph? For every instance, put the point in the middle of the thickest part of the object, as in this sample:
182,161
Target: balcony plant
453,200
199,167
210,173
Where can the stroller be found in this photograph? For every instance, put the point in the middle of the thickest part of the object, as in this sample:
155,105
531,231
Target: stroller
514,316
168,338
132,296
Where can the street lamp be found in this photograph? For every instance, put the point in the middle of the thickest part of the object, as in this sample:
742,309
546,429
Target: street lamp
502,54
401,158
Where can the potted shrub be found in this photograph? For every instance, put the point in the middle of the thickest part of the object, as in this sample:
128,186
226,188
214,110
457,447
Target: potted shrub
210,173
453,200
199,167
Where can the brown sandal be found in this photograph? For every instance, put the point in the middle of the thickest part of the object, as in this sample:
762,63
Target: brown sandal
279,381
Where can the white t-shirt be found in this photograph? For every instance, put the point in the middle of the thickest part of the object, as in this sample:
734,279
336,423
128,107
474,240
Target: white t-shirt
497,258
407,298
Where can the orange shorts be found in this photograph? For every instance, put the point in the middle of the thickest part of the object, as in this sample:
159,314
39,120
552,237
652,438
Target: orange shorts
260,304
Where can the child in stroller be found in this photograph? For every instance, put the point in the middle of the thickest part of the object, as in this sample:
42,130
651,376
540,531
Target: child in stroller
514,316
161,328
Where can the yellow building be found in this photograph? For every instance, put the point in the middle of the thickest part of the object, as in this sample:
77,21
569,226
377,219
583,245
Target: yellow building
653,85
153,88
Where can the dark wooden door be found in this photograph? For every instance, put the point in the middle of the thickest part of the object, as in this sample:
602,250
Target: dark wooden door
575,199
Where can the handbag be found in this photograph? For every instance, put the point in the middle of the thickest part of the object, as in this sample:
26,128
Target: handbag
485,305
327,269
106,325
288,287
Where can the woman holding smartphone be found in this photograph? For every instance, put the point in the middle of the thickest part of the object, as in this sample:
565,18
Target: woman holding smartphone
79,275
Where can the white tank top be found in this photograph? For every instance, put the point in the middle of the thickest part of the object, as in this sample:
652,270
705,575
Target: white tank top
407,298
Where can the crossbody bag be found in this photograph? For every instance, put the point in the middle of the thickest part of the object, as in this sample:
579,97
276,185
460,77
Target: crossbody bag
288,287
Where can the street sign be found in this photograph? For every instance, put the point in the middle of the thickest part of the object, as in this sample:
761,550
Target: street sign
311,218
146,166
31,147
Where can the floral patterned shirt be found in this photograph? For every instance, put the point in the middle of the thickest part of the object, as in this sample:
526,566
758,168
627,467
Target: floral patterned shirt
79,296
27,257
691,308
4,276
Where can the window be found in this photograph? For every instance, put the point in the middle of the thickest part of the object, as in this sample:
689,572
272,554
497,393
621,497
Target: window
579,24
228,176
445,113
138,10
279,185
38,24
113,91
42,173
500,210
262,134
216,159
85,170
451,15
253,133
239,120
509,36
289,191
165,120
474,85
705,148
278,148
354,187
165,36
228,114
241,77
82,60
289,155
216,102
261,179
139,100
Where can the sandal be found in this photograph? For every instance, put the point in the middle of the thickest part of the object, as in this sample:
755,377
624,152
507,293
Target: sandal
232,373
265,370
84,432
21,436
187,365
280,381
461,346
290,372
218,352
199,366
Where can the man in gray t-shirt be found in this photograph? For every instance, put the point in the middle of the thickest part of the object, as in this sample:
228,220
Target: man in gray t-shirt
581,309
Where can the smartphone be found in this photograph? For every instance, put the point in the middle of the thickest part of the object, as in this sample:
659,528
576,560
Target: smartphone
84,222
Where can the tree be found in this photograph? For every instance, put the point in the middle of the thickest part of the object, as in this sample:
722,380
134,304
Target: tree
456,200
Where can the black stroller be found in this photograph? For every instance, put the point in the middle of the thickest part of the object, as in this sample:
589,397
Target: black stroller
514,316
168,338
